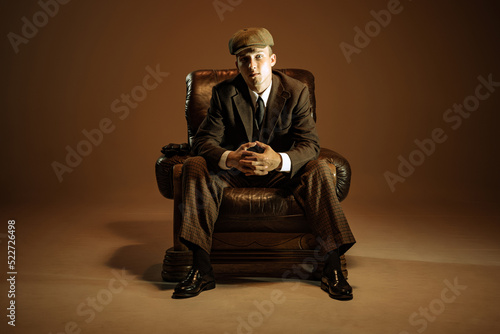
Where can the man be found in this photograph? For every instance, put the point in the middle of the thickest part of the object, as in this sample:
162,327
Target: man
259,133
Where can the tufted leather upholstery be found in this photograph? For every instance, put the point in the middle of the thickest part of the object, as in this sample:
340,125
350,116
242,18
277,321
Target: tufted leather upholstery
249,218
199,90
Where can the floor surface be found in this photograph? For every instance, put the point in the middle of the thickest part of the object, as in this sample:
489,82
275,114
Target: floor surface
95,268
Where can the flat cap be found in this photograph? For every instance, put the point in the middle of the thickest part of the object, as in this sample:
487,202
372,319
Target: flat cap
250,37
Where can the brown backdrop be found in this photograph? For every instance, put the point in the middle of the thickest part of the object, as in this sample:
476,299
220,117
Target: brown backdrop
395,90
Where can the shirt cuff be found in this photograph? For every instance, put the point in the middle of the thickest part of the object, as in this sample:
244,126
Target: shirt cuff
286,163
223,159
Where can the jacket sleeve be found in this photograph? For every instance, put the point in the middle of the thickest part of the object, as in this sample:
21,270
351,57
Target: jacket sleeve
305,137
207,140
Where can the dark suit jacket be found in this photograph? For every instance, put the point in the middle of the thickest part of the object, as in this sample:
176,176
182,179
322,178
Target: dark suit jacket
288,125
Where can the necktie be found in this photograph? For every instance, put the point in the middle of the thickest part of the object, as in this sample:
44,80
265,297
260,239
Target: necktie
259,115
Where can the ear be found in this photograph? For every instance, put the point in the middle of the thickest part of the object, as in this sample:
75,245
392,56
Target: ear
273,59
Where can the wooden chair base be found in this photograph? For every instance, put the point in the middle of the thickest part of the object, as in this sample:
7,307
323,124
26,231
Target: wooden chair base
287,264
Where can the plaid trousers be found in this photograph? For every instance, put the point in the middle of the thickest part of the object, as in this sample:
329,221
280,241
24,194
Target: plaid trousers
312,187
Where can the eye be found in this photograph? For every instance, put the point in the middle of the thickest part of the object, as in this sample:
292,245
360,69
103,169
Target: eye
259,56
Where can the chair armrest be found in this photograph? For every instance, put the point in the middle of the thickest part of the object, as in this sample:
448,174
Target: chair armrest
342,171
164,173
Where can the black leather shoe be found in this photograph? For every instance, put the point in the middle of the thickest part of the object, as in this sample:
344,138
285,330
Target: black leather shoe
194,284
336,286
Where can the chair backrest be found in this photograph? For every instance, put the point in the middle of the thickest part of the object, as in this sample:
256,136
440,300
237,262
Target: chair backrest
199,91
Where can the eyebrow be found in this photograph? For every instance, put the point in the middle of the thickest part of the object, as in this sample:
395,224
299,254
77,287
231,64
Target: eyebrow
250,53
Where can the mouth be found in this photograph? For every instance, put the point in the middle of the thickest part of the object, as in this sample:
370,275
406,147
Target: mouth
253,75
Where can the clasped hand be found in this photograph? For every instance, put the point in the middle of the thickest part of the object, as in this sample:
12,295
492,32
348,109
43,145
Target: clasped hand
253,163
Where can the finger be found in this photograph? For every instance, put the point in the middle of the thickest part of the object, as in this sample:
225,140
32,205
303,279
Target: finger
247,153
247,162
256,172
249,170
247,159
256,157
253,163
248,166
245,169
251,153
255,167
247,145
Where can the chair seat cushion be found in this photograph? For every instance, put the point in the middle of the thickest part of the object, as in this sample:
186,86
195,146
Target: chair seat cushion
260,210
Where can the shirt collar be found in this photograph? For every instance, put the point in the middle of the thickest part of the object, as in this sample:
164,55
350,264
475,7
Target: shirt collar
265,95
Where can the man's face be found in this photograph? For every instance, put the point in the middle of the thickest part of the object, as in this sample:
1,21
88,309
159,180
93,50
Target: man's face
255,65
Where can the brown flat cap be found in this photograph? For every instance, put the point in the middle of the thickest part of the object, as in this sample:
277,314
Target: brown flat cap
250,37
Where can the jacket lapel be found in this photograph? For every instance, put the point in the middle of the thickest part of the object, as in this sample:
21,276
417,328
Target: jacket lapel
244,108
275,105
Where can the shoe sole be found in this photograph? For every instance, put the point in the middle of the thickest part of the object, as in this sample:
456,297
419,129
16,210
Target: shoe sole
207,287
326,288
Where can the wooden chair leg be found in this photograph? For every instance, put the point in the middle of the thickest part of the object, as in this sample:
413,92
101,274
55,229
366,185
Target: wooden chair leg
176,265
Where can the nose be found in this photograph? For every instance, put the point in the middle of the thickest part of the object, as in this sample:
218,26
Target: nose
252,64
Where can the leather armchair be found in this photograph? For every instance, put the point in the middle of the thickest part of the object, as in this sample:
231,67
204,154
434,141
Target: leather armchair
259,230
